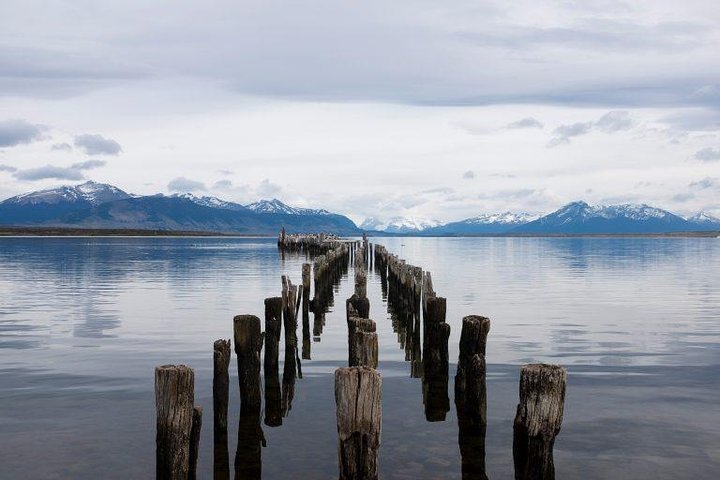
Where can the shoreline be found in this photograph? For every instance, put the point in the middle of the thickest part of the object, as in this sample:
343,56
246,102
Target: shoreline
121,232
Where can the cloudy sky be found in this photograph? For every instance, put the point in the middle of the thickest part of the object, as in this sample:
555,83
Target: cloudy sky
418,108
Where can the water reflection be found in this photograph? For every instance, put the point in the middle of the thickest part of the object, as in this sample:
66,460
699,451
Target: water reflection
635,320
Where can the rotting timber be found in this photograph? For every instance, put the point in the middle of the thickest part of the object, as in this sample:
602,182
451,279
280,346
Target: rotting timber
418,317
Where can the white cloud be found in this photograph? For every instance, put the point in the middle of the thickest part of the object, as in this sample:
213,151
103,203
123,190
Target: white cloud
93,144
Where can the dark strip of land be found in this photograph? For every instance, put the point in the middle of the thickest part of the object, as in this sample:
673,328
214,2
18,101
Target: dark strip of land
123,232
106,232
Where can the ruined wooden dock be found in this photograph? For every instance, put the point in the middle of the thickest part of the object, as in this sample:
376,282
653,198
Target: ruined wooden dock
419,317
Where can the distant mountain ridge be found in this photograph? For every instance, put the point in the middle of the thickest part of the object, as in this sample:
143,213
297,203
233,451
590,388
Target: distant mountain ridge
574,218
582,218
96,205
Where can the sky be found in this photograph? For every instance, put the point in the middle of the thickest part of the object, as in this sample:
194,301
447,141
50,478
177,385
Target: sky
435,110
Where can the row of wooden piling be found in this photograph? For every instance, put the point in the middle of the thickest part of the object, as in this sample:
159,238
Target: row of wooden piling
358,387
314,243
542,387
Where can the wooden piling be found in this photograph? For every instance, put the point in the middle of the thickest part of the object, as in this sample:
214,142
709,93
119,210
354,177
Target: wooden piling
355,325
221,385
248,343
365,349
435,361
289,318
195,442
470,392
538,420
174,402
358,397
273,323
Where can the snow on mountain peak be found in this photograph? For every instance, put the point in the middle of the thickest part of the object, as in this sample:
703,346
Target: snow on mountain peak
399,224
704,217
506,218
91,192
278,207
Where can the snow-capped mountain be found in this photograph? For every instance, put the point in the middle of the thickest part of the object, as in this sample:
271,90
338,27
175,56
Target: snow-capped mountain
488,223
399,225
705,219
207,201
95,205
90,192
580,217
276,206
44,205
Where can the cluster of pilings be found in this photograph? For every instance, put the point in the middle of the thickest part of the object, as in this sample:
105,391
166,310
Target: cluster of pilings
358,387
410,295
313,243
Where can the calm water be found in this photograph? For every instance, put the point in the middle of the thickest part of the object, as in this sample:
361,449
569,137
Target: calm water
84,321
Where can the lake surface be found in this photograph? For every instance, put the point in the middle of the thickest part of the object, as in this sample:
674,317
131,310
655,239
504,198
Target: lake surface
636,321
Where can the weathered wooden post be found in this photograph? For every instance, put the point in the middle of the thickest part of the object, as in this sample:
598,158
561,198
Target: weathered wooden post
364,351
538,420
195,441
248,343
273,322
289,318
360,305
360,282
358,396
306,270
221,386
435,361
470,392
174,402
355,325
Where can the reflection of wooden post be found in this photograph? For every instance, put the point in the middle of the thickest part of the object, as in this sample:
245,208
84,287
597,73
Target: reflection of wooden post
248,343
538,419
273,322
248,456
174,402
358,395
195,441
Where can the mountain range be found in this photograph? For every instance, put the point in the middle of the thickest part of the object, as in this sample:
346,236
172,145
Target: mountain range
97,206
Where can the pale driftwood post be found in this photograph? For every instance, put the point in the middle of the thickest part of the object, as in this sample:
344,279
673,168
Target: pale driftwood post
358,396
195,441
538,419
174,402
248,343
470,393
273,322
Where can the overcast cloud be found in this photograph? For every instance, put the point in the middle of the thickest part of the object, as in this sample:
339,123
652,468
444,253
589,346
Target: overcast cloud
365,107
